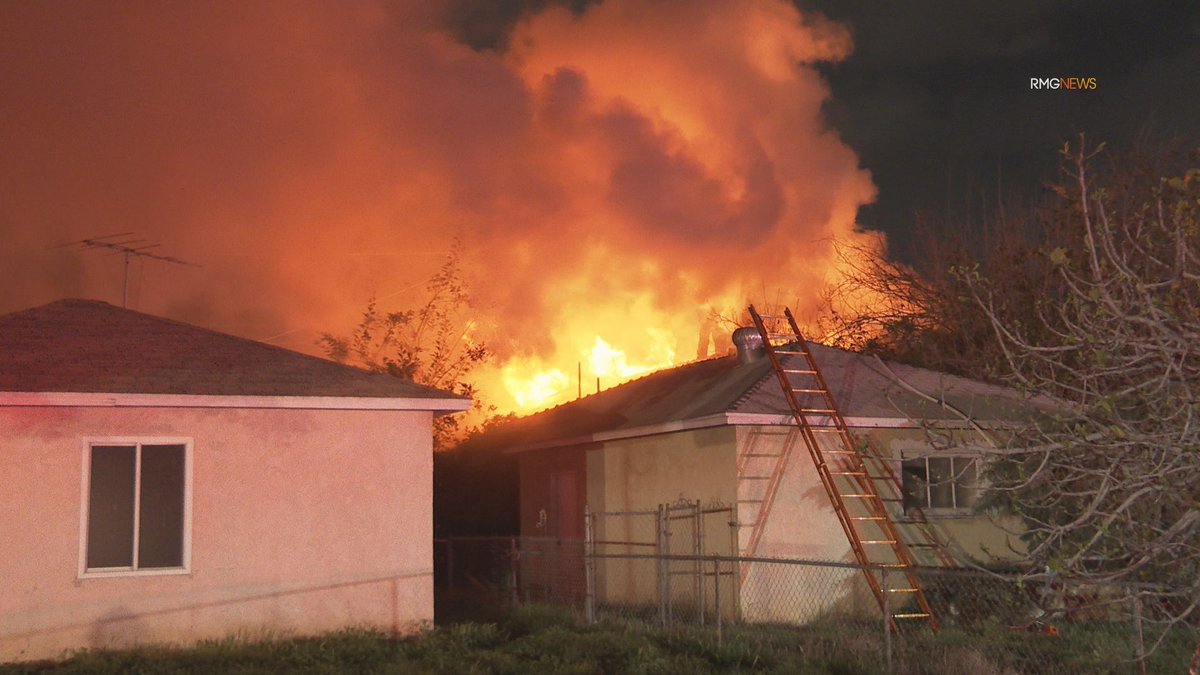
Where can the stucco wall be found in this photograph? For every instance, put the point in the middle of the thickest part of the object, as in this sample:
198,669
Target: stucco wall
302,521
636,475
802,524
987,538
640,473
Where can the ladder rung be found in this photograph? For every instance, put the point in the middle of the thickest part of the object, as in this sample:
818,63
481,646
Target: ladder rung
800,372
862,495
903,590
921,615
846,473
898,566
825,411
867,518
878,541
792,352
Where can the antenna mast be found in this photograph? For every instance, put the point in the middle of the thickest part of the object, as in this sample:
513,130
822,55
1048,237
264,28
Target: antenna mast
121,243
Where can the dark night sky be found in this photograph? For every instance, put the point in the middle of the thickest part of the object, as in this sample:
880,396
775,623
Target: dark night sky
936,97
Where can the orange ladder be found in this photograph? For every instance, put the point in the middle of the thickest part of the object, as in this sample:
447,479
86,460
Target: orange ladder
842,466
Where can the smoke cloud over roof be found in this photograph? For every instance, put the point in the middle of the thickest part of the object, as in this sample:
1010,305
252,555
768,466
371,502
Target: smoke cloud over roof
613,174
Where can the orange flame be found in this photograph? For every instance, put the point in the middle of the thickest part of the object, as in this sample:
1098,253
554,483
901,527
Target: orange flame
621,171
688,136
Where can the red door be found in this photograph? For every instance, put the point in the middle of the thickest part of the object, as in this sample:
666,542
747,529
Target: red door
564,554
566,513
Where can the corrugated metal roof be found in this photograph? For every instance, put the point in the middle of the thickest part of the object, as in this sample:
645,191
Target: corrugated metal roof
90,346
863,386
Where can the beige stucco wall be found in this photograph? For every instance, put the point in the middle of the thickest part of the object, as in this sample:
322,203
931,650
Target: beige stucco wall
802,524
301,521
988,538
639,474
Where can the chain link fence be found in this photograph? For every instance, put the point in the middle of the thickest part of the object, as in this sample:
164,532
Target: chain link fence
987,623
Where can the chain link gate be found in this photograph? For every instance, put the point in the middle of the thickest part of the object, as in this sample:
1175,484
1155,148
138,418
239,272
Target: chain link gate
675,584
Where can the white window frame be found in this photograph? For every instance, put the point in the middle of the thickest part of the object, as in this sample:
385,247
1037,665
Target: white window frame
85,500
955,509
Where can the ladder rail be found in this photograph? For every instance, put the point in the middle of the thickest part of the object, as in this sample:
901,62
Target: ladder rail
875,503
851,466
768,500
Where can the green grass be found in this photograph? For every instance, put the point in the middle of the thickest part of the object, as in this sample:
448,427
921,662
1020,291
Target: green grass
541,639
530,640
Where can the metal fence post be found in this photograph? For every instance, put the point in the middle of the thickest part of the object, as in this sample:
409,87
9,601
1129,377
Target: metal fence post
717,597
589,565
699,562
662,584
1139,644
514,554
670,613
735,568
887,620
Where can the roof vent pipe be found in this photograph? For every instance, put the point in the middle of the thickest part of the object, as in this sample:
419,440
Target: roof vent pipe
749,344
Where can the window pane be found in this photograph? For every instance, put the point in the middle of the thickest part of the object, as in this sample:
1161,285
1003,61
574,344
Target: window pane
941,482
110,507
160,542
914,481
966,479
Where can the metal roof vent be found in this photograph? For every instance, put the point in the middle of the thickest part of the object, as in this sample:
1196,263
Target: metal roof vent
749,344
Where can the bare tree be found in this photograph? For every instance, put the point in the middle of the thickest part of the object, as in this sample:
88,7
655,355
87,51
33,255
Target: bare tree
922,313
431,344
1109,487
1091,302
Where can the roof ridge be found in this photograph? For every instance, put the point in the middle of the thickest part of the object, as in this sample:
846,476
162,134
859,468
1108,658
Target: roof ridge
249,341
750,390
87,345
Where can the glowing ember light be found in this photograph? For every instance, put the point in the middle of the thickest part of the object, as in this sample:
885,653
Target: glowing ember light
531,386
607,361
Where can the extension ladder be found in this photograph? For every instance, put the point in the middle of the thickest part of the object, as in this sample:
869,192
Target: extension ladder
848,472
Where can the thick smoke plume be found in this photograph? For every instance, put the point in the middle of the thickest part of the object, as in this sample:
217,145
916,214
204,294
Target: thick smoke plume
615,175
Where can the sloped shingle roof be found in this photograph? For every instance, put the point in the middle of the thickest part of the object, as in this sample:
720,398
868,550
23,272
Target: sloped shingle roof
863,387
87,346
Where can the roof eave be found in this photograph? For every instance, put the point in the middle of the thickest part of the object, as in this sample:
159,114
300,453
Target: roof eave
728,419
441,405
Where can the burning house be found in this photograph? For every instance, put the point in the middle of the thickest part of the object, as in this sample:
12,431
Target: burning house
714,445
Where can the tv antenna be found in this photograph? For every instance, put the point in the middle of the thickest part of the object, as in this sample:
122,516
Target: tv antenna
130,248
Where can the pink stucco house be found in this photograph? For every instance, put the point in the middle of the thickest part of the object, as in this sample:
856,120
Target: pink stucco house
161,482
